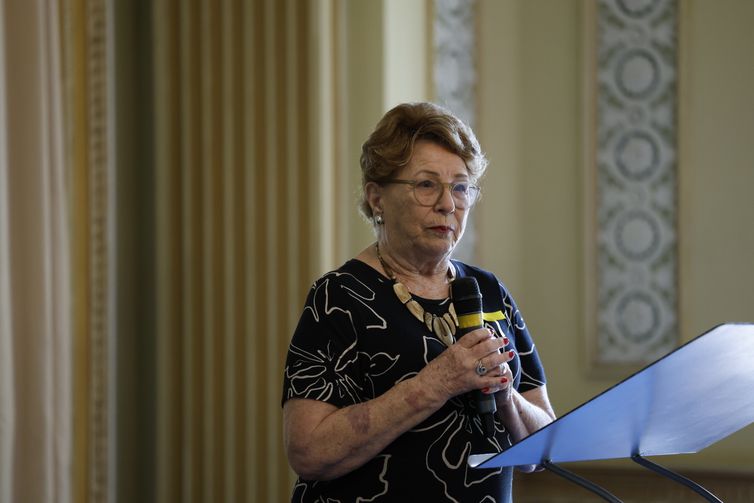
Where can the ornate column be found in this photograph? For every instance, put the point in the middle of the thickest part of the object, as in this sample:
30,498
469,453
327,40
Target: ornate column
634,303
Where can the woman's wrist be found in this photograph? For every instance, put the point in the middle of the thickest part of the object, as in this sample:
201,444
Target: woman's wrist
423,392
505,401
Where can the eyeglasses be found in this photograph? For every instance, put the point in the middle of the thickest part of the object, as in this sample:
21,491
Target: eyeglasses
428,192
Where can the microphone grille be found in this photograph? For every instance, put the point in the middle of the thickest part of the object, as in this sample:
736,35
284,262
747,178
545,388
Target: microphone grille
466,295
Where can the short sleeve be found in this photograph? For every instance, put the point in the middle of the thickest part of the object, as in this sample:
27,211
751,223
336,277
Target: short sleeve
323,359
532,370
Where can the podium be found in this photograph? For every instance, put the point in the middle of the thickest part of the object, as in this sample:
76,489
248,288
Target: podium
687,400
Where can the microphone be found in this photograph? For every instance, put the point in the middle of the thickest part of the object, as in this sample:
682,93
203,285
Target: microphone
467,300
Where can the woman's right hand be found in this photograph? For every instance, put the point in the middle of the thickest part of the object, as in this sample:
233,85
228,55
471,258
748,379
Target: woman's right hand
454,371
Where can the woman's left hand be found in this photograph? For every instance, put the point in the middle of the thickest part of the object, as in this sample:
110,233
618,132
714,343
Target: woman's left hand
503,390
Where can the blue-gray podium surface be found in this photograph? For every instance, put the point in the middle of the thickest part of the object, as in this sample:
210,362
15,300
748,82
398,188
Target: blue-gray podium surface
685,401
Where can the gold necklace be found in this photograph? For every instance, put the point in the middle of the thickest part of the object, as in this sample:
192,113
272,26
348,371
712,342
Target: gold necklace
444,327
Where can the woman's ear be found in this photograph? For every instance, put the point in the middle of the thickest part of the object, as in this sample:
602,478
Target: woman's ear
373,192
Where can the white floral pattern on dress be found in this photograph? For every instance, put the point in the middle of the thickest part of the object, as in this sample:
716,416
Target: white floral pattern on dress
354,342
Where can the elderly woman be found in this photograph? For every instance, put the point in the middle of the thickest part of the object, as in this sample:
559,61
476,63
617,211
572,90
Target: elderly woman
378,392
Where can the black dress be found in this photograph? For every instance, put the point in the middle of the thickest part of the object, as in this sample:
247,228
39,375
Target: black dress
355,341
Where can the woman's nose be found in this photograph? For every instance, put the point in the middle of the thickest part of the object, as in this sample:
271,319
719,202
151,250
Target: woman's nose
445,202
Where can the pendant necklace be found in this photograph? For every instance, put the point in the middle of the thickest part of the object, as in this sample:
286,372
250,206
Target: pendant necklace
444,327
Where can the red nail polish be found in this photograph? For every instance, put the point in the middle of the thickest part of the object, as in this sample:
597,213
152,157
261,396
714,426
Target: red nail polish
505,341
504,380
485,390
511,353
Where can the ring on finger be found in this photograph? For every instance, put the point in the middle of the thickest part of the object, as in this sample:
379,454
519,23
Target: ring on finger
480,368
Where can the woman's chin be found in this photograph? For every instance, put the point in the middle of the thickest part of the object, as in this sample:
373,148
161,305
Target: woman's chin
440,247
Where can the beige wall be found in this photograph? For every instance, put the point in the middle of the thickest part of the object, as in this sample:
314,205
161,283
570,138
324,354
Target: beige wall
531,124
716,176
386,63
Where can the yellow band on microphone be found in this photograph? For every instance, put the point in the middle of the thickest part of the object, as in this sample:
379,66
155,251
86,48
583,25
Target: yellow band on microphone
470,320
